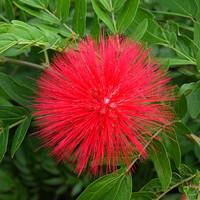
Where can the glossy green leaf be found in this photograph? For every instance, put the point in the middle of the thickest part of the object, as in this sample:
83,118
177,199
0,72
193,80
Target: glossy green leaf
41,14
140,30
17,92
115,186
33,3
106,4
187,88
159,156
12,112
62,9
118,4
20,134
103,15
3,142
7,41
79,19
126,15
193,100
181,107
173,148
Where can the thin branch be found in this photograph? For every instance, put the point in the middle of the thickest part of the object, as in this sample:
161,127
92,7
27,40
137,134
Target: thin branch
146,146
46,57
176,185
113,16
21,62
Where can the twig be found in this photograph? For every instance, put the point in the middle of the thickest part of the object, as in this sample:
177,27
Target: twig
176,185
145,147
21,62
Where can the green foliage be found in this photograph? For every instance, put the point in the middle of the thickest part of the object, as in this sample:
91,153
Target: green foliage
3,142
161,163
31,31
79,20
114,186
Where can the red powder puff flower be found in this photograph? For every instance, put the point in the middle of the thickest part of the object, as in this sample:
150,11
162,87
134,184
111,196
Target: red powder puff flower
99,104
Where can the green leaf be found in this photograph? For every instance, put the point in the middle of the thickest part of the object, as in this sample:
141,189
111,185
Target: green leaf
191,192
153,186
127,15
197,33
161,162
33,3
79,19
193,100
143,195
115,186
184,7
20,134
62,9
7,182
3,142
12,112
103,15
173,62
173,148
198,60
95,28
187,88
117,4
181,106
106,4
17,92
186,48
198,9
41,14
154,32
140,30
7,41
9,9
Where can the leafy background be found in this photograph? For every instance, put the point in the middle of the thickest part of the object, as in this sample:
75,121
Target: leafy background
32,31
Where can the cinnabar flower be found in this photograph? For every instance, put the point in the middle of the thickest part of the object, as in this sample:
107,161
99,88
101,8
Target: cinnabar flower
100,104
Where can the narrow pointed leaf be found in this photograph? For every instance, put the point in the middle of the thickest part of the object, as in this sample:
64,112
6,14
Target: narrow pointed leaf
79,19
20,135
127,15
62,10
103,15
3,142
140,30
15,91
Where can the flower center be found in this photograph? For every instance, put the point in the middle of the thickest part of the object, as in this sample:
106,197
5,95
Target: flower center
107,105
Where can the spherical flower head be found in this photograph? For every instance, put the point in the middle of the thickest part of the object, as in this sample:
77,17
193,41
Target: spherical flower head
100,103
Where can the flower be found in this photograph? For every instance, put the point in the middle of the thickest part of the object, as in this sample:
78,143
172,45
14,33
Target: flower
101,103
